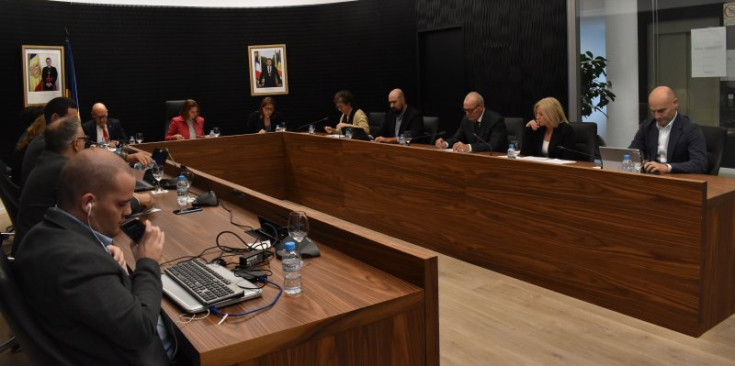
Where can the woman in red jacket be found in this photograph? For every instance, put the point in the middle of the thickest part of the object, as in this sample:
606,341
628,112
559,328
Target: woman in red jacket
187,126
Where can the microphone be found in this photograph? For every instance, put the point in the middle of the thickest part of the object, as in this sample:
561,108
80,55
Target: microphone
325,119
428,135
562,148
483,141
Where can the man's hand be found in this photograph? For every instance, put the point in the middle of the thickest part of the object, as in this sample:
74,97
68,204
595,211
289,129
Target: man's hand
145,200
656,167
460,146
117,255
387,140
440,143
139,157
151,244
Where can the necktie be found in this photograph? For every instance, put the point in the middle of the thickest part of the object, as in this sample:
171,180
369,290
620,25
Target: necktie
477,127
105,134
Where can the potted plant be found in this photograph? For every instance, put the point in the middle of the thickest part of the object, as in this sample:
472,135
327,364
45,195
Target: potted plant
590,87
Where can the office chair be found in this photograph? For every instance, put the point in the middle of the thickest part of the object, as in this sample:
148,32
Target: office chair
716,139
515,126
431,125
173,109
585,139
376,120
41,350
9,192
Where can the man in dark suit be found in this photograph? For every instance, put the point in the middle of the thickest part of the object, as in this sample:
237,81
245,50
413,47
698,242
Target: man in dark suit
400,118
81,296
269,77
102,129
49,75
670,141
477,122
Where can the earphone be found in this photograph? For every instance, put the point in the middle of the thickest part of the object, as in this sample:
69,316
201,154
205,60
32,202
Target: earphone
89,209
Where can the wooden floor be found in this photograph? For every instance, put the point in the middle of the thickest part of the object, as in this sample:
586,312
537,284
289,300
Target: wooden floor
491,319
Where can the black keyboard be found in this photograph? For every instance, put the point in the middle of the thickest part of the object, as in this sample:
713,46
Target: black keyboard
207,286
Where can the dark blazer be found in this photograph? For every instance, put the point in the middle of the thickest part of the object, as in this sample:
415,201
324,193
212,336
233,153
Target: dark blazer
114,128
255,123
412,121
492,130
563,135
83,299
33,151
38,193
269,80
687,149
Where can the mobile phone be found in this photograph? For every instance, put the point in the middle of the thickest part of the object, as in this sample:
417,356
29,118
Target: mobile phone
133,228
187,210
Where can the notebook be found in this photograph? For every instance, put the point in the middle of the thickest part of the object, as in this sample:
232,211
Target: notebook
189,304
612,157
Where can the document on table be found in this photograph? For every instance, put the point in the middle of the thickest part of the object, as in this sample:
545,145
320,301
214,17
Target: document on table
544,160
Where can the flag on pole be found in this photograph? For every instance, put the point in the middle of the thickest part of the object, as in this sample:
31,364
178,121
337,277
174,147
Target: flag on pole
258,68
71,75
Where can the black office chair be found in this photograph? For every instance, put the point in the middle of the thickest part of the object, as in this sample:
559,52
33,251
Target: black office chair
37,345
431,125
585,139
173,109
716,138
9,192
514,126
376,120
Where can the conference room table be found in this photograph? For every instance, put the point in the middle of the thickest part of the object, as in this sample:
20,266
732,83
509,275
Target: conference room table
368,299
658,248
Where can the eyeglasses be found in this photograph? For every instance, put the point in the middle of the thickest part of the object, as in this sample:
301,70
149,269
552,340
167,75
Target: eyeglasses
471,109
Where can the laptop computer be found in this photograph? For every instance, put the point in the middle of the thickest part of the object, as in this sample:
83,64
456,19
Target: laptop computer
359,134
612,157
191,305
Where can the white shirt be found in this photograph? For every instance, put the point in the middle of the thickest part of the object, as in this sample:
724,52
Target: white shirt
100,133
663,139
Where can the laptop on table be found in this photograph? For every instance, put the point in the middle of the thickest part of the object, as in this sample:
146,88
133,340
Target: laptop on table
612,157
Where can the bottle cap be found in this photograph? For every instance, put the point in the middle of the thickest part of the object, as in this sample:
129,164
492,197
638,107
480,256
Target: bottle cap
626,157
289,246
181,177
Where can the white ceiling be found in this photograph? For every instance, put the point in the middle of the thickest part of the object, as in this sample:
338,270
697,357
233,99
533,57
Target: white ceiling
210,3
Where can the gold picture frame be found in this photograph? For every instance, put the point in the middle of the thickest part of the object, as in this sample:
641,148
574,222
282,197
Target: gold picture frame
43,74
268,71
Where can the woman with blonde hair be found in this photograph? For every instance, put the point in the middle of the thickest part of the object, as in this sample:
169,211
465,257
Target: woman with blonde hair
544,135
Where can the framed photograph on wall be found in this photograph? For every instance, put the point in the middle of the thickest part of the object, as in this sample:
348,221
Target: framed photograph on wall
268,72
43,74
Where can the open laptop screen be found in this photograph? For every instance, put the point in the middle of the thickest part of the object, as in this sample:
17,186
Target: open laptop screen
612,157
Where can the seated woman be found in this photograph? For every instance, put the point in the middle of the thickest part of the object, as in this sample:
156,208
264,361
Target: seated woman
187,126
550,129
351,117
264,119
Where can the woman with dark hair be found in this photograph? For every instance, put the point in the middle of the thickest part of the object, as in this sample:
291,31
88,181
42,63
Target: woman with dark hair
351,117
187,126
264,119
34,123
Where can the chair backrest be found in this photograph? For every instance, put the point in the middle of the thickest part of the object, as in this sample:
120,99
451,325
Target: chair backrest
38,346
716,138
585,139
376,120
431,125
9,192
514,126
172,108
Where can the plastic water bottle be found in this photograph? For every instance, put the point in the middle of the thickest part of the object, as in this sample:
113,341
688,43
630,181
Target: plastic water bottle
627,163
182,191
132,141
511,151
291,269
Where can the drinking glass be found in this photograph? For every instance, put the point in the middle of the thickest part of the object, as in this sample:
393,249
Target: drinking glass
311,129
298,226
216,131
407,137
348,133
278,128
189,177
157,172
283,127
401,139
139,137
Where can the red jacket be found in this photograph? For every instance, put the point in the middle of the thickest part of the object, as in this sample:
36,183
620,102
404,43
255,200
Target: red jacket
178,126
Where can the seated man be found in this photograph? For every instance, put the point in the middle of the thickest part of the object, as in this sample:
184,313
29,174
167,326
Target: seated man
400,118
480,130
102,129
670,141
82,297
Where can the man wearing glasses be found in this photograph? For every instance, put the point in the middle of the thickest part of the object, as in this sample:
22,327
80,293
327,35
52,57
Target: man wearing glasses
480,130
102,129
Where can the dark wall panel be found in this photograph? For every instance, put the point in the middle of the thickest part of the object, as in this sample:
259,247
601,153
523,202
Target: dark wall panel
135,58
515,50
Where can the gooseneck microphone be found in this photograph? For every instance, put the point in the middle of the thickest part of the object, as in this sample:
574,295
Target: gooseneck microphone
428,135
325,119
562,148
483,141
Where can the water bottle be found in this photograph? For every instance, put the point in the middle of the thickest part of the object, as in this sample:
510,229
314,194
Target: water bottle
627,163
132,141
511,151
182,191
291,260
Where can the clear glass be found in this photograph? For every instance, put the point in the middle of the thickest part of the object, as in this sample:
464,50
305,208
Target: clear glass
401,139
311,129
348,134
407,137
216,131
157,172
282,126
298,226
139,137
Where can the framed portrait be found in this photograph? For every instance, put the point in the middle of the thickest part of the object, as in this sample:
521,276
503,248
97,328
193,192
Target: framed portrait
43,74
268,72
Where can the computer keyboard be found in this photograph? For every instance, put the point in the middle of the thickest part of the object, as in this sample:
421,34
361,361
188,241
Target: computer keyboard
207,286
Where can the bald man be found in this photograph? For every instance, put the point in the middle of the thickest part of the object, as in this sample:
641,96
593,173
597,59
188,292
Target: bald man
671,142
102,129
400,118
480,129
